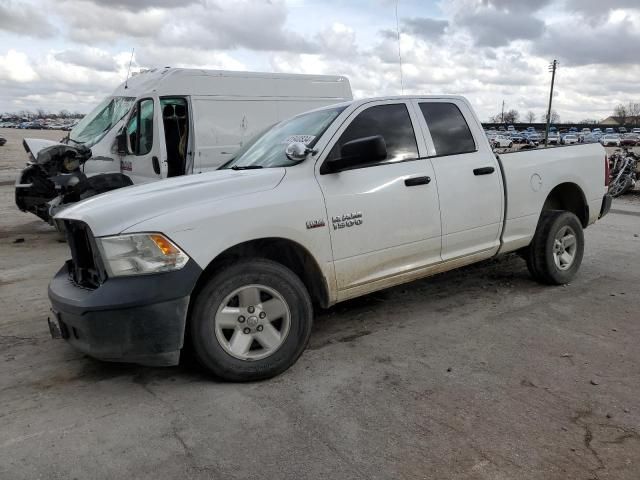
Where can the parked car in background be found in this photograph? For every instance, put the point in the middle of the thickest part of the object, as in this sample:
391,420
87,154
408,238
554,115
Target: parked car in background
501,141
630,140
622,130
553,138
636,130
517,137
609,130
533,137
609,140
570,139
590,138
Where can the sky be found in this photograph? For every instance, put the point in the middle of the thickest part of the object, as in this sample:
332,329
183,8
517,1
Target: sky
70,54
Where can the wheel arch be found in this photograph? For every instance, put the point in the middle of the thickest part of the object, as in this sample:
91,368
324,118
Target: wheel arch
281,250
568,196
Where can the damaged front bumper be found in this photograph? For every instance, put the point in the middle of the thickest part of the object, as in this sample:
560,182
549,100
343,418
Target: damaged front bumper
137,319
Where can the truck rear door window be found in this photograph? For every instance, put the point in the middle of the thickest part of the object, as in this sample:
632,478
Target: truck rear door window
449,129
392,122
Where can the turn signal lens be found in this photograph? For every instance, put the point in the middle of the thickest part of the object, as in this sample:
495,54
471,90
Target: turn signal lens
165,246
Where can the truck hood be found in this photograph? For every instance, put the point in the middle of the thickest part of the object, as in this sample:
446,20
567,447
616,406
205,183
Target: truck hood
113,212
34,145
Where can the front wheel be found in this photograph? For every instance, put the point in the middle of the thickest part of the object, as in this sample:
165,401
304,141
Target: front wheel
251,321
555,253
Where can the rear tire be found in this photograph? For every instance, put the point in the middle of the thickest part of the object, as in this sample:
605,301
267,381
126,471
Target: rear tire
251,321
555,253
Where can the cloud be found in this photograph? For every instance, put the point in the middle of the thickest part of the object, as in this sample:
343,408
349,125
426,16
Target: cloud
24,19
488,50
16,67
425,27
90,58
576,43
494,28
216,25
138,5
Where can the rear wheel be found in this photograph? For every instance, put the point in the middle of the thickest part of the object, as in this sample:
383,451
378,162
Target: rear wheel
555,253
251,321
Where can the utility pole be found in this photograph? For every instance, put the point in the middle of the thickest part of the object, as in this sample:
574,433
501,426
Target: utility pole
502,115
552,68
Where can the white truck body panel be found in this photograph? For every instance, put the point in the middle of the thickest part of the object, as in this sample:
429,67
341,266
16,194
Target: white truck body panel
406,233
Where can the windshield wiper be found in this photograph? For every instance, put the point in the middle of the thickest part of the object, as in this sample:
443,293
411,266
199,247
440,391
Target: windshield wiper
246,167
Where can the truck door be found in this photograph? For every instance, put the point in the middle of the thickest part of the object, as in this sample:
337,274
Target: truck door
469,179
384,216
144,144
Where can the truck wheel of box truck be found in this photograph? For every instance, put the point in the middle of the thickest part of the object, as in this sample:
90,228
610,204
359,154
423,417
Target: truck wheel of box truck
251,320
555,253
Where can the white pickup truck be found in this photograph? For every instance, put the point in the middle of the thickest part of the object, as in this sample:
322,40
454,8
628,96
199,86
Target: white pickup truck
326,206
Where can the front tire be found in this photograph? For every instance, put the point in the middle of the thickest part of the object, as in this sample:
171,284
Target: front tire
251,321
555,253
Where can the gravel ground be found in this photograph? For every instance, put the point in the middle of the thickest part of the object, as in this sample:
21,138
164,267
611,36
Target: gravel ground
474,374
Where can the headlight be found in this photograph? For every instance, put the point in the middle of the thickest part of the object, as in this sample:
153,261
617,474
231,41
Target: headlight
140,253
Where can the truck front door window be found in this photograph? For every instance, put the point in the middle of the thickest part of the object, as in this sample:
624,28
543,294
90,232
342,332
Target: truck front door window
392,122
140,128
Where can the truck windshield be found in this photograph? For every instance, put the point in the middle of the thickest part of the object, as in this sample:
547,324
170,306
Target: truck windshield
268,150
93,126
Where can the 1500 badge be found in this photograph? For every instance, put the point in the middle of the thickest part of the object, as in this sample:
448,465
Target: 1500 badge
347,220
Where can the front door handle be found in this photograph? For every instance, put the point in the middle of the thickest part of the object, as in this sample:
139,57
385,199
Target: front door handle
412,182
483,171
156,165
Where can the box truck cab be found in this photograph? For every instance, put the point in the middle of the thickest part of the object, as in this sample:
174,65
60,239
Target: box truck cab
165,123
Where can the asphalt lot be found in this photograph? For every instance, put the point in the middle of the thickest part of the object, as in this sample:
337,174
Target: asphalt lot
474,374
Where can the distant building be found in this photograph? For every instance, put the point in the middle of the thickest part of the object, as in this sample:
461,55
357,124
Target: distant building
614,121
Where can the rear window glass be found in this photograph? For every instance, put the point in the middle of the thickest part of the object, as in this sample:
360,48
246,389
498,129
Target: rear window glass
449,129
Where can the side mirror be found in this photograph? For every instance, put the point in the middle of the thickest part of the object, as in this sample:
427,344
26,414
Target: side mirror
296,151
121,142
357,152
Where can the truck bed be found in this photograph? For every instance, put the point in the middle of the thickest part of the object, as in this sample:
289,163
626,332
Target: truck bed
530,175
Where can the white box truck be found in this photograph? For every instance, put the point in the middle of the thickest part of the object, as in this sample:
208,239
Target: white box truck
165,123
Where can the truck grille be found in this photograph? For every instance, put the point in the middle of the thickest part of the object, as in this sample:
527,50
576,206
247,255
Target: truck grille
85,266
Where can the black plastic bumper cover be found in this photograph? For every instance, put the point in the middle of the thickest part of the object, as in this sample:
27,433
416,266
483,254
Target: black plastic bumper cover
138,319
606,205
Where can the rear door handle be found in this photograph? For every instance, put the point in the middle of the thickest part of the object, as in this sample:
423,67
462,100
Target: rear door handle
483,171
412,182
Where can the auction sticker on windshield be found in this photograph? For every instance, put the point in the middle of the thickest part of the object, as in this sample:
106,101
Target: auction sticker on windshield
306,139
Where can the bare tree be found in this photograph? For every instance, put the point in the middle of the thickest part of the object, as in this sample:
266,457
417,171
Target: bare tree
511,116
530,117
633,109
555,117
621,112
